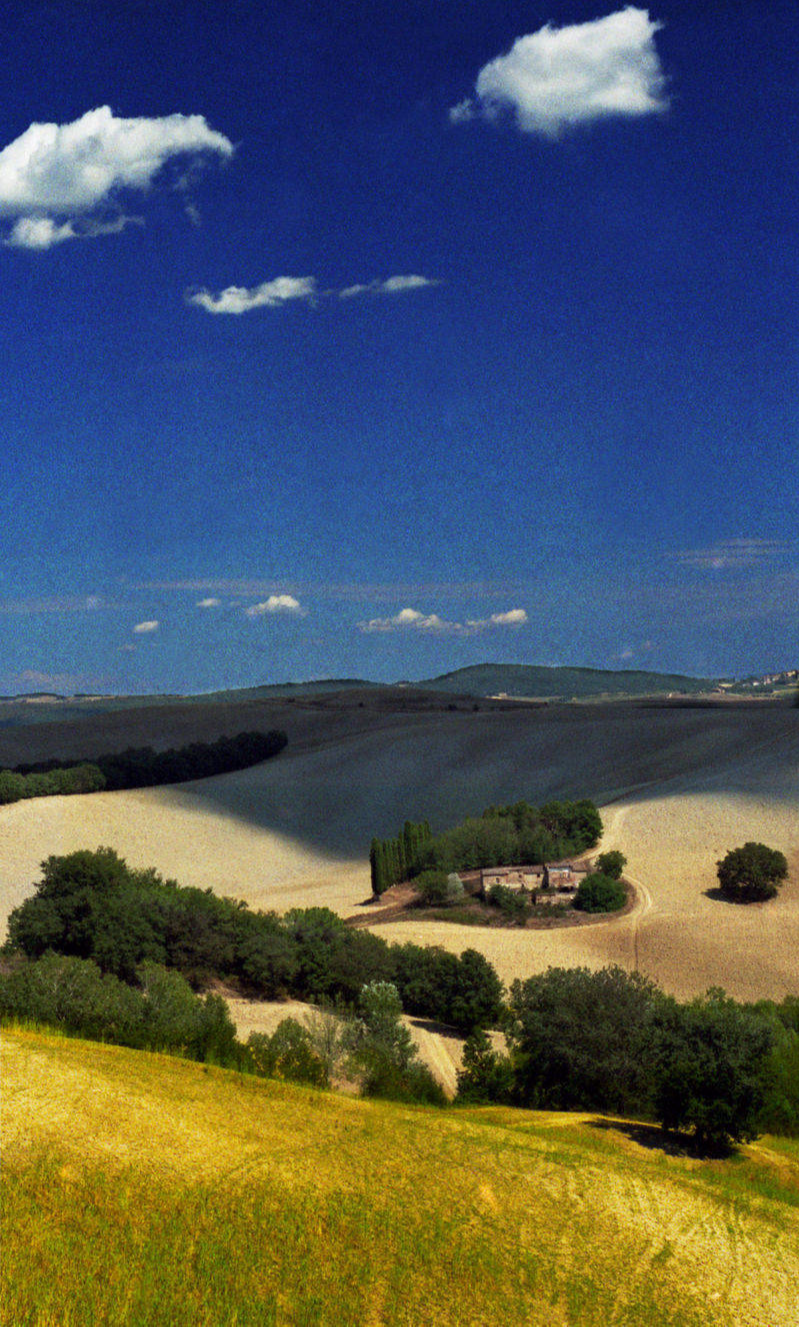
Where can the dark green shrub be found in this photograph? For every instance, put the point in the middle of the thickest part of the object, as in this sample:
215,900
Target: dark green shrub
289,1053
162,1013
12,786
438,889
581,1039
142,767
485,1075
464,992
710,1059
73,995
414,1083
611,863
477,1000
510,902
752,873
600,893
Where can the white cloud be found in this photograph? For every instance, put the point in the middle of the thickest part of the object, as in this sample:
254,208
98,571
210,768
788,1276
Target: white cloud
208,603
60,604
557,78
392,285
142,628
732,554
44,232
277,603
514,617
32,677
411,619
282,289
54,173
269,295
40,233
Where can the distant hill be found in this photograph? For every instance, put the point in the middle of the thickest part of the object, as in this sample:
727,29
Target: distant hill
277,690
563,683
478,680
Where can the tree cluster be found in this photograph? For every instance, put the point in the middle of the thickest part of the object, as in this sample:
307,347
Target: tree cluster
158,1012
142,767
613,1041
503,835
92,905
60,781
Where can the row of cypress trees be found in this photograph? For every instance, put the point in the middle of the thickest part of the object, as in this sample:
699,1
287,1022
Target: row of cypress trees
392,860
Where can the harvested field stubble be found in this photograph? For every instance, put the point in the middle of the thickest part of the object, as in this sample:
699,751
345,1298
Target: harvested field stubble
169,1192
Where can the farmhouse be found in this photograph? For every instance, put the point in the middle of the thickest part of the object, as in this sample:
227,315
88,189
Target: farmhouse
564,877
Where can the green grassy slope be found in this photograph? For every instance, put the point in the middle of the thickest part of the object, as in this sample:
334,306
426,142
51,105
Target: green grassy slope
144,1190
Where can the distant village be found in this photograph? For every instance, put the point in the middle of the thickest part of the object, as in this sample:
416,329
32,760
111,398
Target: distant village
763,682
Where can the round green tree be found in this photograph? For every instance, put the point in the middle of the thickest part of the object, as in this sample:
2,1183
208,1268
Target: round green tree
611,863
752,873
600,893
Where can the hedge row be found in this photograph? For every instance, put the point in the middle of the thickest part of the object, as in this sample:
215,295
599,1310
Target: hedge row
141,767
93,906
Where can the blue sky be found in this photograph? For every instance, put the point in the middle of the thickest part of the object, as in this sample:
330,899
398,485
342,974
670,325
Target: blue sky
378,339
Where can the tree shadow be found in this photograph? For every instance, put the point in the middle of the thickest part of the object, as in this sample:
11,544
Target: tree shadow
432,1025
657,1139
719,896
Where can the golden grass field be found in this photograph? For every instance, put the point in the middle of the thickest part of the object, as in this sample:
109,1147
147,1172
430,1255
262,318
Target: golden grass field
140,1189
679,785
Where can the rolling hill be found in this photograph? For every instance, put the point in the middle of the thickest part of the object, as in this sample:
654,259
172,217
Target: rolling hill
679,784
478,680
564,683
143,1189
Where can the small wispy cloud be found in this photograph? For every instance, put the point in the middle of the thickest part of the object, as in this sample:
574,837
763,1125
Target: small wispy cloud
277,603
208,603
59,179
393,285
514,617
144,628
354,591
87,603
269,295
44,232
558,78
283,290
628,654
41,681
732,554
411,619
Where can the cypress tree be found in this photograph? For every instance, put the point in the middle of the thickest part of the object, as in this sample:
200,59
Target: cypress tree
382,867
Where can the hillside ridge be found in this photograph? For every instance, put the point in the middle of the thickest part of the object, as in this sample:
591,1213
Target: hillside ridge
207,1198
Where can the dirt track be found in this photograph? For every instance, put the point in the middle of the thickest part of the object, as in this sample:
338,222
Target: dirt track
679,785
